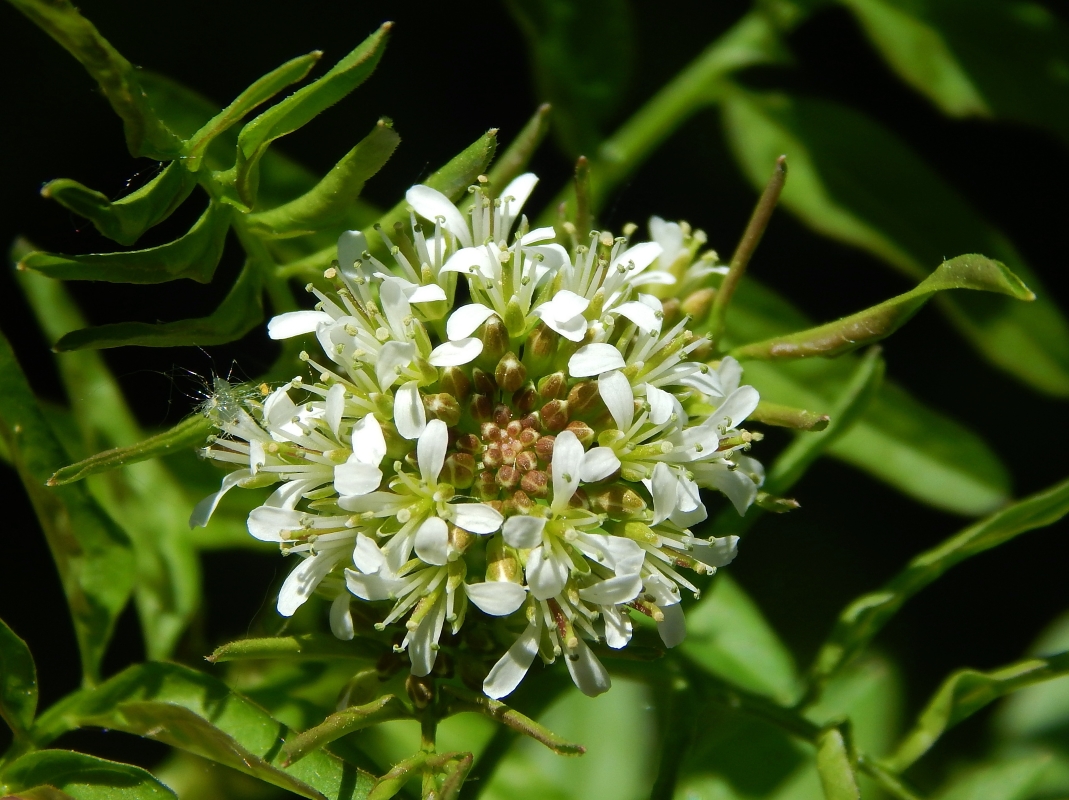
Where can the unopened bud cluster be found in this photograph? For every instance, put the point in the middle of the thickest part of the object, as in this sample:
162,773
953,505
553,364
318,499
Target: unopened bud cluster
536,452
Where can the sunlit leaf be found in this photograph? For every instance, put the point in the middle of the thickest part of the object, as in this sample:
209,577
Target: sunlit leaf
329,201
1002,780
211,700
124,220
81,777
871,325
582,55
240,312
18,681
862,619
985,58
728,635
835,766
966,692
302,106
903,213
194,255
92,554
146,134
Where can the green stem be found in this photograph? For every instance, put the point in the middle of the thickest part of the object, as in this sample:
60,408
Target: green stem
675,739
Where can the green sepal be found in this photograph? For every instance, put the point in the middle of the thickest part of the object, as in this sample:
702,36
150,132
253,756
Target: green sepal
963,694
331,199
124,220
835,764
306,646
301,107
262,90
863,618
18,682
866,327
240,312
186,434
783,416
194,255
146,134
342,723
80,777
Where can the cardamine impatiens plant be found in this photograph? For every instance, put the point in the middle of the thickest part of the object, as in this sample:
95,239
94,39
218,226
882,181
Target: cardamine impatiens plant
502,447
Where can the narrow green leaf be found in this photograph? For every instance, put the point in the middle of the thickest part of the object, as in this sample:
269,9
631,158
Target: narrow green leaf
860,621
240,312
982,58
194,255
966,692
92,554
311,646
124,220
1041,711
82,777
902,213
584,76
302,106
262,90
729,636
835,766
186,434
342,723
516,157
1012,779
211,700
866,327
18,682
330,200
146,135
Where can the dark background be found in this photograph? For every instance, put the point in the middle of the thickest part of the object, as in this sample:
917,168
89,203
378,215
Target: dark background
451,71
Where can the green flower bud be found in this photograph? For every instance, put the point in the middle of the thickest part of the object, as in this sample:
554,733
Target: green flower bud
444,407
510,373
455,381
554,415
554,386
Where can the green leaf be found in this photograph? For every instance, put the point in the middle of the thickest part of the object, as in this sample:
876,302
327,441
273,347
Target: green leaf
213,702
729,636
342,723
306,646
240,312
835,766
194,255
124,220
983,58
902,213
866,327
81,777
1041,710
966,692
329,201
262,90
92,554
302,106
582,55
18,682
186,434
862,619
1003,780
146,135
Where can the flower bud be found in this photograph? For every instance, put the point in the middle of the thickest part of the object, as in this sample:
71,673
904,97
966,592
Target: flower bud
485,486
540,348
526,398
553,387
535,483
468,443
526,461
616,501
519,503
501,562
510,373
459,470
460,539
515,320
442,406
454,381
484,383
697,304
544,448
671,312
420,690
481,408
585,399
554,415
583,432
502,415
495,339
508,477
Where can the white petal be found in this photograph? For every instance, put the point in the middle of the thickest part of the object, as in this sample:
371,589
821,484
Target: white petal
564,305
593,359
640,314
665,593
737,407
295,323
430,293
641,255
392,357
341,620
335,406
300,583
669,235
573,329
371,587
730,374
567,468
289,494
523,533
409,415
546,575
587,672
355,478
432,542
351,247
510,669
257,456
476,517
673,629
538,235
623,556
618,396
519,188
611,591
617,627
395,304
267,524
422,647
464,321
686,519
430,450
716,552
661,405
737,486
472,260
430,204
598,464
367,556
497,598
454,354
369,445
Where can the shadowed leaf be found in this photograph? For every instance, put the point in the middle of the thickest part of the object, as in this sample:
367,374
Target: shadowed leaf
80,777
835,766
18,682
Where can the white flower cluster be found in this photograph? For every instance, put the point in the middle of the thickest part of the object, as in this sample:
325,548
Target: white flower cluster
537,451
